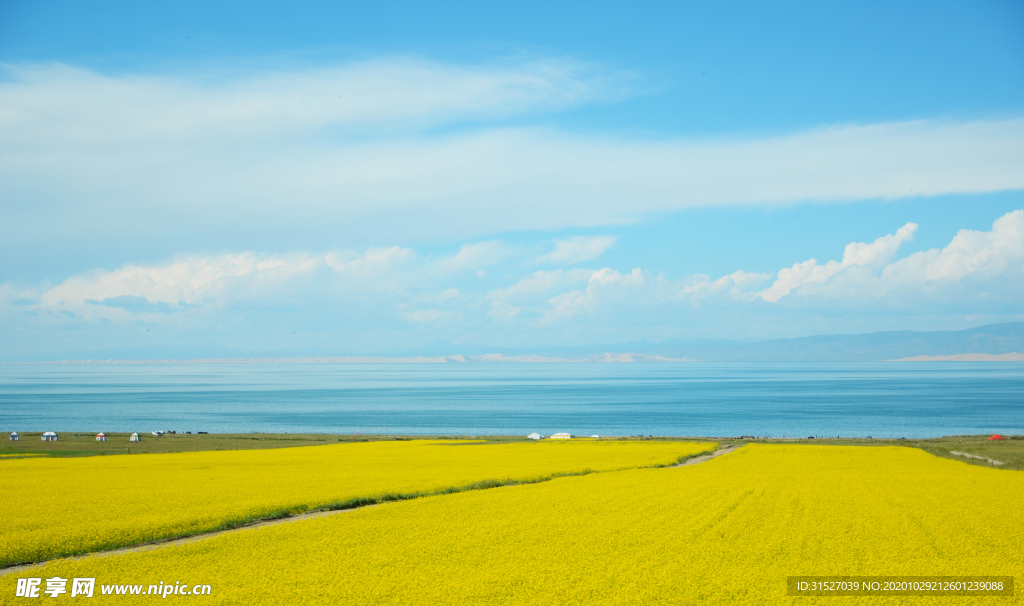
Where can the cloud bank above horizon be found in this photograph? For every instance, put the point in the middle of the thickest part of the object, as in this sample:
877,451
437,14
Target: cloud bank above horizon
356,207
981,271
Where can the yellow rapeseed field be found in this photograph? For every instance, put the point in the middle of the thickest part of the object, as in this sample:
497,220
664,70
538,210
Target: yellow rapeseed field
724,532
55,507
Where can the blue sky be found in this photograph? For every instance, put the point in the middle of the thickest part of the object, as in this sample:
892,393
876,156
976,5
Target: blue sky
363,178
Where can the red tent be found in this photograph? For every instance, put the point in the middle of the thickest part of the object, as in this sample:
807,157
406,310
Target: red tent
997,437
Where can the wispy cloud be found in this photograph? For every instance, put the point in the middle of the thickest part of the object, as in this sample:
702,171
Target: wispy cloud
577,249
63,104
474,256
351,149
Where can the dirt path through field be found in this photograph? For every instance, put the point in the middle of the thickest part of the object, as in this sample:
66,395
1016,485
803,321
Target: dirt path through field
189,539
702,458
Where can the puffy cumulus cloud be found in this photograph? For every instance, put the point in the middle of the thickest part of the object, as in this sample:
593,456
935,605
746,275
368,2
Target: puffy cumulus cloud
508,302
172,286
867,274
544,298
194,282
872,255
577,249
737,285
605,287
396,289
974,264
971,254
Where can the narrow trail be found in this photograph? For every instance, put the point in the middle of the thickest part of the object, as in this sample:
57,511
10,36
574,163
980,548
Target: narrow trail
701,459
182,540
283,520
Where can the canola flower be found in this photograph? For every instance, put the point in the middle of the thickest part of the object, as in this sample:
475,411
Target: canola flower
56,507
727,531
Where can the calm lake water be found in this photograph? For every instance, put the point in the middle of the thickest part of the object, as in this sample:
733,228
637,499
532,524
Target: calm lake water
688,399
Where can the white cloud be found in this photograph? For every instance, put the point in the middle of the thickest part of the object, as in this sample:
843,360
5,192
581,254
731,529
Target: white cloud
542,298
872,255
508,302
44,104
975,267
992,263
736,285
605,286
576,249
340,152
474,256
981,272
194,281
373,264
971,254
451,293
172,286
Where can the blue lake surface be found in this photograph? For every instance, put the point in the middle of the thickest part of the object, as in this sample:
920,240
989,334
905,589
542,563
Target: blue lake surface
887,399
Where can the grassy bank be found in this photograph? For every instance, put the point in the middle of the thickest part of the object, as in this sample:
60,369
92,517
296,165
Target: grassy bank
1009,451
85,444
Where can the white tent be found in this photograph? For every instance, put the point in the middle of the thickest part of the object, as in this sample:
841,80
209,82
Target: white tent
595,436
534,436
561,436
50,437
101,437
135,438
14,437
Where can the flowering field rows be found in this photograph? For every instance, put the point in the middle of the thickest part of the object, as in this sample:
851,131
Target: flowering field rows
56,507
724,532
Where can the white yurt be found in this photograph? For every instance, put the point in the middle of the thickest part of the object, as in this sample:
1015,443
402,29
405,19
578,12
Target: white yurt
534,436
135,438
14,437
561,436
101,437
596,436
50,437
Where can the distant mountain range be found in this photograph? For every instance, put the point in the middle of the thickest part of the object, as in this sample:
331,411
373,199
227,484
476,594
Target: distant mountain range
876,346
983,343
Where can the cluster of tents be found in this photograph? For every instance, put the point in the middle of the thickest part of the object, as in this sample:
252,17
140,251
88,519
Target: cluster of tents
52,436
555,436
